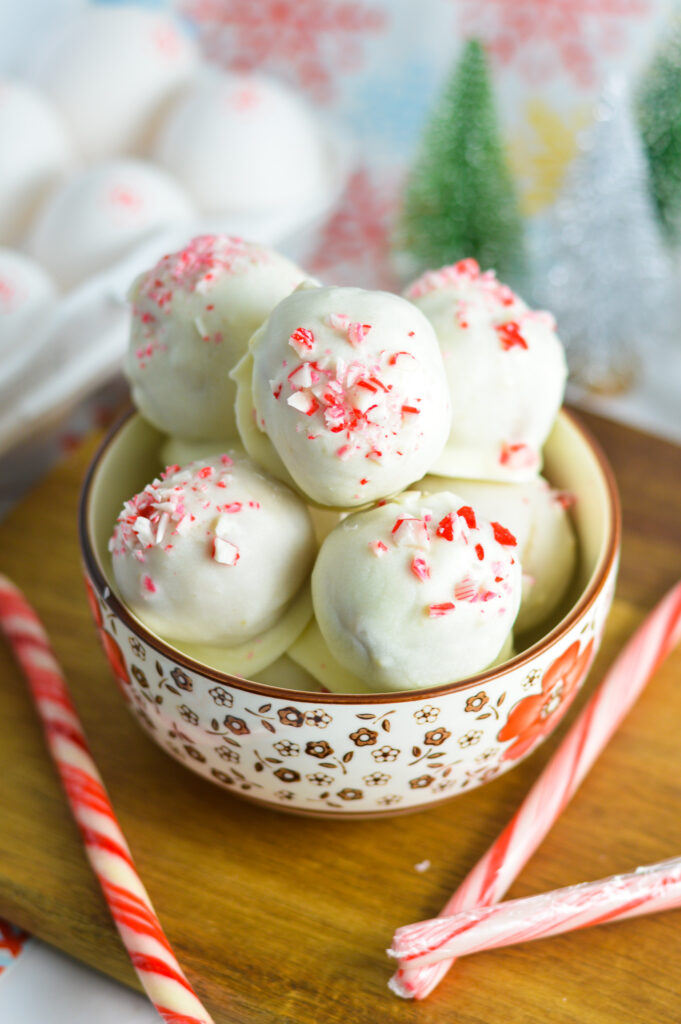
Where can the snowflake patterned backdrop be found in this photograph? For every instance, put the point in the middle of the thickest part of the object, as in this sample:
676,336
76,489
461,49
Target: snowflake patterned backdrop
377,67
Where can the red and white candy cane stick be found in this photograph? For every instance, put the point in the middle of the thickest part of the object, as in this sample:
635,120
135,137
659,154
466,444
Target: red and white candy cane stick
491,877
153,959
648,890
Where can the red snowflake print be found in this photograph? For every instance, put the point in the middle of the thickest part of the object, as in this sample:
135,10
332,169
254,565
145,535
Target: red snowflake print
353,247
539,37
533,718
308,42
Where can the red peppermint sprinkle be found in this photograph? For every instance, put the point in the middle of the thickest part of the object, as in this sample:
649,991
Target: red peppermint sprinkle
205,473
235,506
302,340
276,391
420,569
225,552
410,409
435,611
169,470
445,528
467,513
465,590
518,456
378,547
226,460
357,333
510,336
565,499
149,584
480,551
503,536
364,481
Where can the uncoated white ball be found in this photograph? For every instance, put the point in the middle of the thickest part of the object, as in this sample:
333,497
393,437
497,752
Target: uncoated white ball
243,144
26,294
537,516
111,72
34,153
506,372
349,387
100,214
416,592
212,553
193,314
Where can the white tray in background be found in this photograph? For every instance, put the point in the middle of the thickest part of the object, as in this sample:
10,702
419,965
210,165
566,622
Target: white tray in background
81,344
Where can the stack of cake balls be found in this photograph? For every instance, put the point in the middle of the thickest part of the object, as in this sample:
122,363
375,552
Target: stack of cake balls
348,494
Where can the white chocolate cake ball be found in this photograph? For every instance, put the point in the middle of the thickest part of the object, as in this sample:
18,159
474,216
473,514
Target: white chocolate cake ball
349,387
193,314
34,154
213,553
111,72
536,515
417,592
26,294
506,372
99,215
243,144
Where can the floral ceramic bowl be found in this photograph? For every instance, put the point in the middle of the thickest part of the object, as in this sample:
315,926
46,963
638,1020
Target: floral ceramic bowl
339,755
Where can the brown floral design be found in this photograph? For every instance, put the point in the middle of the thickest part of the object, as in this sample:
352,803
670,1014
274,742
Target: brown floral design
363,737
384,754
227,754
318,717
287,775
195,754
436,736
286,748
426,714
318,748
189,716
182,679
421,781
350,794
222,776
470,738
221,696
477,702
236,725
291,716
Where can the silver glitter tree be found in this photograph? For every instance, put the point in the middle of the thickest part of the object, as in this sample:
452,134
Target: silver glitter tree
601,266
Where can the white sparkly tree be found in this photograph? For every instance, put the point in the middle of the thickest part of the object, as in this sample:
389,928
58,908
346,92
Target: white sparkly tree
601,265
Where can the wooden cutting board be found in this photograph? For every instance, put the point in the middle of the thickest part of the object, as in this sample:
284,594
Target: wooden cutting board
280,919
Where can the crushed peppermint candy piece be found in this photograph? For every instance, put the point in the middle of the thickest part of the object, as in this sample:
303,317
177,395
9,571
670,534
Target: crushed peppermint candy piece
503,536
378,548
436,611
420,569
302,340
510,336
225,552
409,531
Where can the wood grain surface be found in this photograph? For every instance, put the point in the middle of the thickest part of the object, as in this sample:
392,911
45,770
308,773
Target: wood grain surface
281,919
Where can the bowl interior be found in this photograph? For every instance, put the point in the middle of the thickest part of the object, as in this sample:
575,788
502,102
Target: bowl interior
572,463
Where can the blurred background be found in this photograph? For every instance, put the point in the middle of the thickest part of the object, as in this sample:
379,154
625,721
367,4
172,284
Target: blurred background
367,139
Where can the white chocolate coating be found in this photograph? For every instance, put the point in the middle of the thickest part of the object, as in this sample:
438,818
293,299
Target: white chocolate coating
242,144
506,372
193,314
311,653
100,214
417,592
34,154
26,294
111,72
348,391
213,553
537,517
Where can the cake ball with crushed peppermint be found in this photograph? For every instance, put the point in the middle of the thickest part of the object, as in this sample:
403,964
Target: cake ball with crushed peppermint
505,367
538,517
343,394
192,316
417,592
213,553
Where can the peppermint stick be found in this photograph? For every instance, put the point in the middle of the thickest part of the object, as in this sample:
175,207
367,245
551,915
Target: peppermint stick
110,858
491,877
647,890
